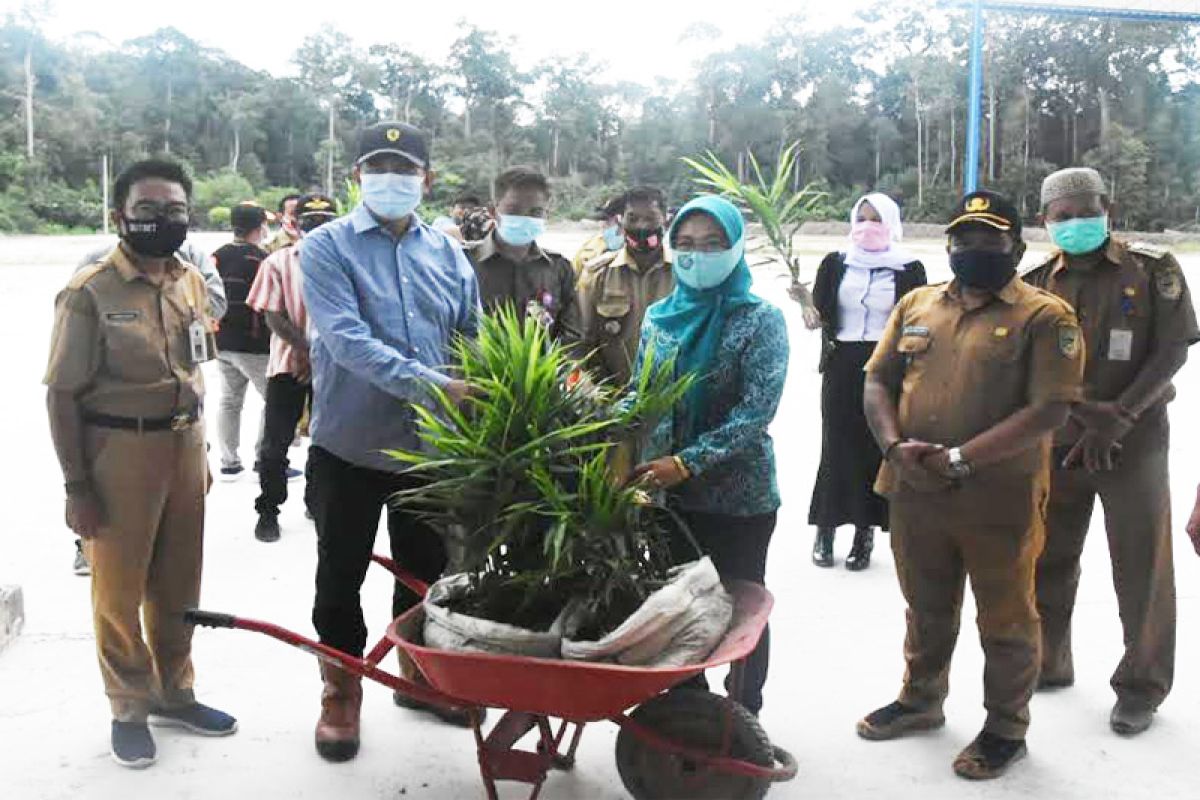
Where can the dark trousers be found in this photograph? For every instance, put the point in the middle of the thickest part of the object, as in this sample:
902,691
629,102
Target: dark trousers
1136,498
347,501
738,549
285,402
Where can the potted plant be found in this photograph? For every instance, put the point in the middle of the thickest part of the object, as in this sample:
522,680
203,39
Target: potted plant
518,481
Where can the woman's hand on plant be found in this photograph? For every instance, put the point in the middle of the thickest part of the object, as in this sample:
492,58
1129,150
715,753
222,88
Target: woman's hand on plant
662,473
800,294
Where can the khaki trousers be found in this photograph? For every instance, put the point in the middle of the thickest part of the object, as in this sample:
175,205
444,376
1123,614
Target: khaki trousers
1136,498
146,562
993,537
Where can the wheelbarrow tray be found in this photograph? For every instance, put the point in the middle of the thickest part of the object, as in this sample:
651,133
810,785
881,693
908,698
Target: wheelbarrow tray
571,690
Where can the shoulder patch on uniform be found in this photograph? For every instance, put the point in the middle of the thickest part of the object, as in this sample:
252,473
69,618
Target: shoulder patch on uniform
601,261
1168,280
1148,249
1070,340
81,278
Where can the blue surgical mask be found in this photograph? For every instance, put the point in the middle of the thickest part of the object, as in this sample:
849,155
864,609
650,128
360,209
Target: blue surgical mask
701,270
1079,236
614,238
390,196
520,230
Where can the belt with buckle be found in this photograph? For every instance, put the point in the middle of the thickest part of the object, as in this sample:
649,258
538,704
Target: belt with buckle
178,422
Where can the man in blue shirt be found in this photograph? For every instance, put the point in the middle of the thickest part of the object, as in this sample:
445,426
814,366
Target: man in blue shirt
386,296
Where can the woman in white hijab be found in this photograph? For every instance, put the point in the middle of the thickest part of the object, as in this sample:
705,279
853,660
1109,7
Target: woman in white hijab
855,291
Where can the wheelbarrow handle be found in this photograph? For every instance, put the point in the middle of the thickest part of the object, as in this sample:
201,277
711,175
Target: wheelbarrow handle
209,619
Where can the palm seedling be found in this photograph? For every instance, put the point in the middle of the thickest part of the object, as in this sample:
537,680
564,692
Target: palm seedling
777,206
519,477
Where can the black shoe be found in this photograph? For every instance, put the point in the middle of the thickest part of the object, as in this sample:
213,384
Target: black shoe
231,473
989,756
896,719
267,529
1131,717
132,745
860,553
197,718
822,554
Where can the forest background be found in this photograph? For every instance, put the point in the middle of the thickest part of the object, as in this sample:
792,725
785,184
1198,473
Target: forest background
878,103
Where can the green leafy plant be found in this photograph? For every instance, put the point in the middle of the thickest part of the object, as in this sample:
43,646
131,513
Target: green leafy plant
518,479
773,202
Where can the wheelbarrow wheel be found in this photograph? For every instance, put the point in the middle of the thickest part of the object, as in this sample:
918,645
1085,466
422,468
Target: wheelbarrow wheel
697,720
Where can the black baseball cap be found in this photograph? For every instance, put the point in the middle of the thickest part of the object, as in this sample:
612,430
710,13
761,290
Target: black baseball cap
986,208
248,215
613,208
399,138
314,204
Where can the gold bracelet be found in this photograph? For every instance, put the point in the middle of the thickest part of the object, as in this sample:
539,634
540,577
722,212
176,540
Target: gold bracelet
687,473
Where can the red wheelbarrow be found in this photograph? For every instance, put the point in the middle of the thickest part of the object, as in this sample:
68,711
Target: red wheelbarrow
683,743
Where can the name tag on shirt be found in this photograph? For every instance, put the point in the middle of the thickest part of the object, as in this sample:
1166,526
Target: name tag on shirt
1120,345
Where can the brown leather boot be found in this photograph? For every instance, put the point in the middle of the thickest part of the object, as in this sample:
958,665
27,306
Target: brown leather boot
341,704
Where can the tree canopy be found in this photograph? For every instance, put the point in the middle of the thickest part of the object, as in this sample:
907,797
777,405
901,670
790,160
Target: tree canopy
879,104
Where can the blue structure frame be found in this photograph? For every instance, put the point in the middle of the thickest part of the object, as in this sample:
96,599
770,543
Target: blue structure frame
975,85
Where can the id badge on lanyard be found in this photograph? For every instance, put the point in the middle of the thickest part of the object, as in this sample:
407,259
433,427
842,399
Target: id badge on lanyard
199,346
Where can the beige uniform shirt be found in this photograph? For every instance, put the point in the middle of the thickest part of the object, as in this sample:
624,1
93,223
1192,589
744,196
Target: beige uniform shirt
1130,299
121,343
614,294
960,372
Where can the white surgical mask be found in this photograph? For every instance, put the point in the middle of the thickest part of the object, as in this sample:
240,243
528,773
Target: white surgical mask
390,196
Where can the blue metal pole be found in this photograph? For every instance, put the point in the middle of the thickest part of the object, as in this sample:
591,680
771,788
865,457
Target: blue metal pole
974,100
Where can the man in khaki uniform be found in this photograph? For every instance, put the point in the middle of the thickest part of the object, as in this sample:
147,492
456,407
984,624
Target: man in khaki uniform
1138,323
962,393
612,238
617,287
288,233
125,393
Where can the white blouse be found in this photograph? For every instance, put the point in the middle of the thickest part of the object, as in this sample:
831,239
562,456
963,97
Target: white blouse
865,300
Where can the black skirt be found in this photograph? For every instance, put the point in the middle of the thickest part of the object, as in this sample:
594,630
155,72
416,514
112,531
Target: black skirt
850,459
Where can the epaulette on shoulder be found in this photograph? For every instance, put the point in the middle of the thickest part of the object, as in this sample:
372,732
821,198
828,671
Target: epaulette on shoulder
601,261
81,278
1045,261
1149,250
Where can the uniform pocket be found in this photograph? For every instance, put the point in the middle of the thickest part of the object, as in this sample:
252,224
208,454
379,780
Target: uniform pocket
612,312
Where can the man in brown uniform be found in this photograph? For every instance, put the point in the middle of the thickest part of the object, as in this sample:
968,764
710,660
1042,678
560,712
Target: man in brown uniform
962,393
617,287
513,269
124,399
1138,323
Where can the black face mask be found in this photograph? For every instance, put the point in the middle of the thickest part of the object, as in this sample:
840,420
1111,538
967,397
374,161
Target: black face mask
644,240
154,238
981,269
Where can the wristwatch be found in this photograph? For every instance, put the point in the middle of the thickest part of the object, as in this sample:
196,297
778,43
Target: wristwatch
959,468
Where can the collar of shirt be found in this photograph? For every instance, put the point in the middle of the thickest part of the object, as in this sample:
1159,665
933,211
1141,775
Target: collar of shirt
486,249
624,258
1113,253
1010,294
129,271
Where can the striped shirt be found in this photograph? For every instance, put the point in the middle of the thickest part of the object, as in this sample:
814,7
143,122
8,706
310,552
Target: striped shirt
278,289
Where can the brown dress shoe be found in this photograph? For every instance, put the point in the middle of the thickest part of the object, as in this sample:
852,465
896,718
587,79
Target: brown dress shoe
341,703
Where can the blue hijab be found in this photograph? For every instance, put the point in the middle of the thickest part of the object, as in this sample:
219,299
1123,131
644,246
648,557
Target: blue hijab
695,318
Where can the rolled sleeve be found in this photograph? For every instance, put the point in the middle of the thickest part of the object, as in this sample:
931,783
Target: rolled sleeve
75,347
1056,359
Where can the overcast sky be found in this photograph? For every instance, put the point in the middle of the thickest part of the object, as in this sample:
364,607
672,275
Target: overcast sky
638,40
